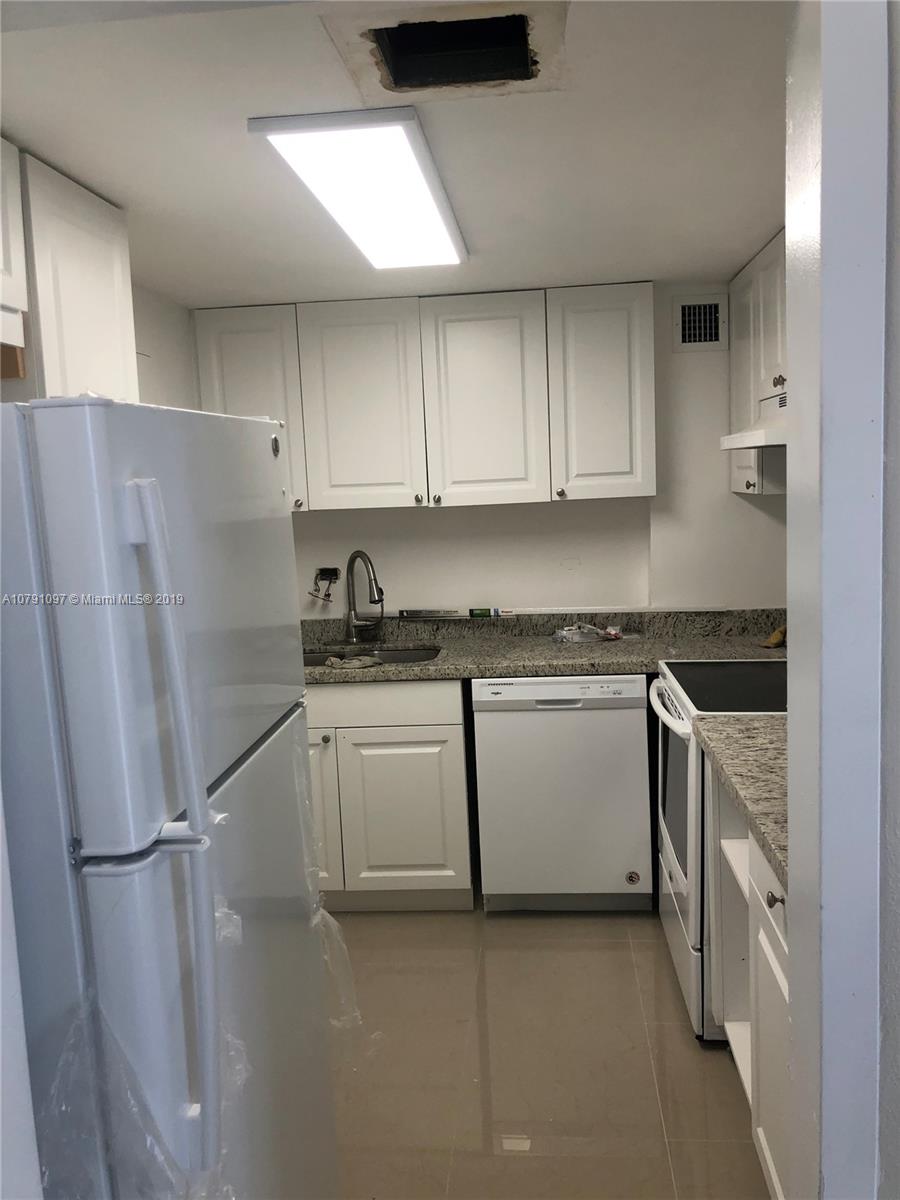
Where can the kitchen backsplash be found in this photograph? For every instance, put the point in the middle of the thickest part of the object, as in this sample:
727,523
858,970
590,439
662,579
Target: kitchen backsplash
747,622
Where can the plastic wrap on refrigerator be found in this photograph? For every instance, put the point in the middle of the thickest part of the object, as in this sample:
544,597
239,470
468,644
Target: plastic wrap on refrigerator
343,1008
93,1074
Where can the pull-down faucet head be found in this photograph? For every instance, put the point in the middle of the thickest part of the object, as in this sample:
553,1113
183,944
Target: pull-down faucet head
376,595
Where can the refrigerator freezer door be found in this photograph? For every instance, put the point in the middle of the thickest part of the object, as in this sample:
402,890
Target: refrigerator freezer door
278,1130
229,554
152,930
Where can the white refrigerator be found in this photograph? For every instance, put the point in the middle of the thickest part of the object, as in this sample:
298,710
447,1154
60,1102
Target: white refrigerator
156,784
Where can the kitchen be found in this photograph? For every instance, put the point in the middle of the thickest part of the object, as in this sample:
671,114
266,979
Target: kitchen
534,520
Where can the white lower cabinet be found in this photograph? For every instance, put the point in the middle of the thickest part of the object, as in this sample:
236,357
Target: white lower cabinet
390,801
748,976
403,810
770,1026
326,806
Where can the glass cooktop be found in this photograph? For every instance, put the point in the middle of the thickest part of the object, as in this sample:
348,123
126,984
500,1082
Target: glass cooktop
734,686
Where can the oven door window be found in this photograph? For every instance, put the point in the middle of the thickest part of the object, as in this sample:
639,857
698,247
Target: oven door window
675,793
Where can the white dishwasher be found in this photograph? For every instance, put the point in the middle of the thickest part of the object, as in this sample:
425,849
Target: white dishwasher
563,792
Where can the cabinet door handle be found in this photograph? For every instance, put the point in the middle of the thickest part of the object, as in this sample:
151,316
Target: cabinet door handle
772,899
419,497
298,504
436,498
326,738
750,485
561,492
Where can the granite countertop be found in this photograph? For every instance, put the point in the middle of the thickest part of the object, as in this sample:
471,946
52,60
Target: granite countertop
749,751
508,657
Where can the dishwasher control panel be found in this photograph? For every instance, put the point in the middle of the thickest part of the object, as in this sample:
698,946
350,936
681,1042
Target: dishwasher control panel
560,692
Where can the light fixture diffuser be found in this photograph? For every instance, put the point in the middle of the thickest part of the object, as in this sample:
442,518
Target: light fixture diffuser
374,174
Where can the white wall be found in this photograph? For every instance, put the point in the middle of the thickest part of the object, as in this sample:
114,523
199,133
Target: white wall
890,787
708,546
574,555
835,231
694,545
166,350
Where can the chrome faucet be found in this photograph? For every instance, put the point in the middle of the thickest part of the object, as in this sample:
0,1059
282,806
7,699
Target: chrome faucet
376,596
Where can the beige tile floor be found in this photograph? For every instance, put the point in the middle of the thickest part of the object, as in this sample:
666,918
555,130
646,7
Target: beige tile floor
531,1058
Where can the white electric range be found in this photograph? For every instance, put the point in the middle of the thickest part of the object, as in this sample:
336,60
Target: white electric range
683,691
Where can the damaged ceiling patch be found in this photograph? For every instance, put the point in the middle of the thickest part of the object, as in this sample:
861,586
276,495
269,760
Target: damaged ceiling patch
444,51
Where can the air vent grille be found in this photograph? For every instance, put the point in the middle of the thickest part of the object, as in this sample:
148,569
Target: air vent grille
700,322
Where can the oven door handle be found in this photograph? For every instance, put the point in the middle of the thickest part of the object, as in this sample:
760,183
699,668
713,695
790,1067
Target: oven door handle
680,727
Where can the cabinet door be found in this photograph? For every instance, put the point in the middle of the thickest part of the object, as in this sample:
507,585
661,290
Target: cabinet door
602,405
403,807
82,316
771,364
13,286
746,475
362,403
250,367
484,360
770,1049
323,771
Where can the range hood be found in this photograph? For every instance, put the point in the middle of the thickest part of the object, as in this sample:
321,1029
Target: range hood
769,430
748,439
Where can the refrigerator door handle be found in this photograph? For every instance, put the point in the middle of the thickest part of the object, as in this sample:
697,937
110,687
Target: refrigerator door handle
203,921
148,521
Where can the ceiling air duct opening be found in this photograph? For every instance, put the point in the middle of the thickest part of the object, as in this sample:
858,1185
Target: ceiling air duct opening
431,54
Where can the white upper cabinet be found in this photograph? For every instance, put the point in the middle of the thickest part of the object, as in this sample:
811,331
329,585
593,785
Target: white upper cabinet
13,283
80,304
250,367
484,360
362,403
756,302
758,339
745,464
602,405
771,358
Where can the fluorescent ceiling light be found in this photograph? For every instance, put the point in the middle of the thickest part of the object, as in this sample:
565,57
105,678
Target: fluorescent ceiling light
374,173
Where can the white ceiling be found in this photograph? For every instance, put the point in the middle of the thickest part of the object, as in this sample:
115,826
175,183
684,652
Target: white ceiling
660,157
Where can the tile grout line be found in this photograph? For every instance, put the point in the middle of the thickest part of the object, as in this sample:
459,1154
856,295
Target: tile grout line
662,1115
473,1021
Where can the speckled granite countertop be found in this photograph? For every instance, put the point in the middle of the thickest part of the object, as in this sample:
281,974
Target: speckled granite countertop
480,657
749,751
522,646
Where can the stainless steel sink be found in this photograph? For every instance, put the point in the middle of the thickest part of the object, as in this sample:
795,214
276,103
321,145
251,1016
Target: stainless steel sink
384,654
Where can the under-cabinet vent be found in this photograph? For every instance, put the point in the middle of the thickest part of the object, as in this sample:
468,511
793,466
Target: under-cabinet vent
428,54
700,322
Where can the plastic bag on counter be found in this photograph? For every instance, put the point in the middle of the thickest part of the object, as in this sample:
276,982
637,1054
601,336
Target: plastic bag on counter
581,631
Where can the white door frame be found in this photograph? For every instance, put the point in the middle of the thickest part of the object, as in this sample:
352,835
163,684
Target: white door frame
837,112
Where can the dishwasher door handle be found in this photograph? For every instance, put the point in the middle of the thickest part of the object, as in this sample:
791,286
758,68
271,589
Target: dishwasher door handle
557,703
